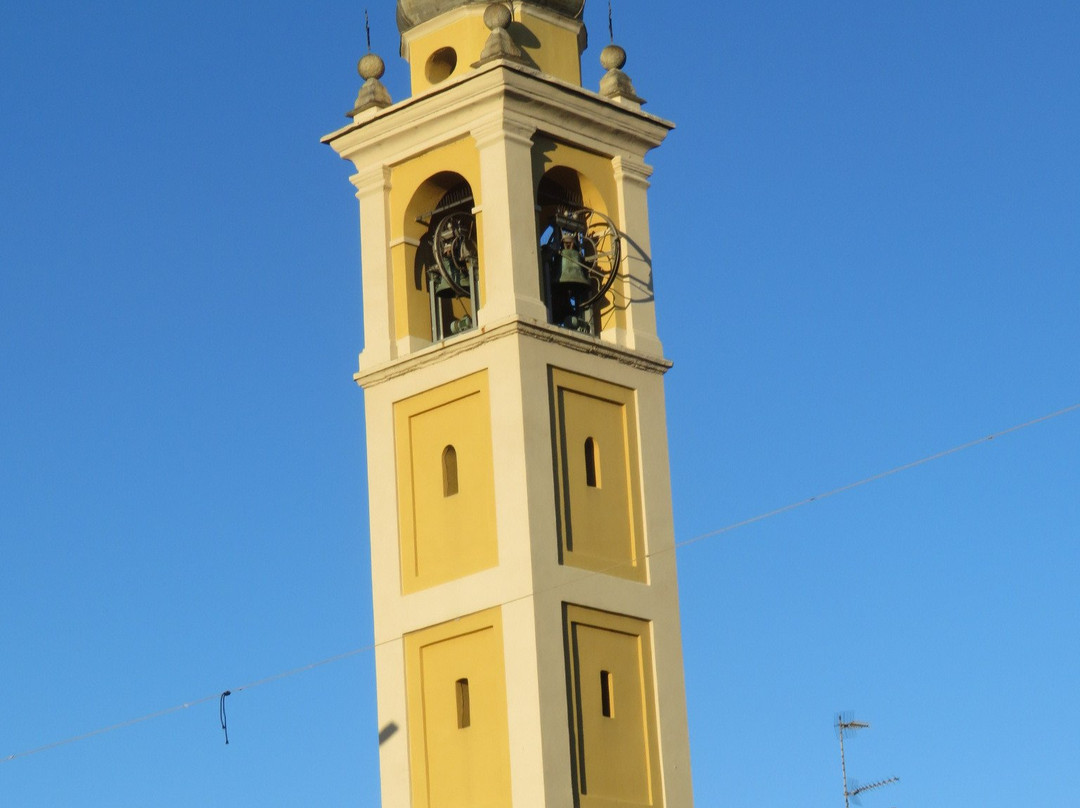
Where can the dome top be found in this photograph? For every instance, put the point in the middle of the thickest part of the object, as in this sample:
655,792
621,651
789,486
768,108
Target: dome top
411,13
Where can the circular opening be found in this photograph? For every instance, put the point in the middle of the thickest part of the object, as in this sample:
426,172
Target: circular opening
440,65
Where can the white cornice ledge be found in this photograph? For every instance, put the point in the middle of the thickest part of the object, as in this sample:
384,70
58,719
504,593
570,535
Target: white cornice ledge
512,327
576,110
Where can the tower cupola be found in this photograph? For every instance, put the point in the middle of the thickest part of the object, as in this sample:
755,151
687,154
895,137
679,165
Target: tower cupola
442,38
411,13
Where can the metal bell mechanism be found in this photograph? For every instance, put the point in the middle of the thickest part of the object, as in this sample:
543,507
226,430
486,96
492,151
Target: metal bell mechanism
461,324
455,270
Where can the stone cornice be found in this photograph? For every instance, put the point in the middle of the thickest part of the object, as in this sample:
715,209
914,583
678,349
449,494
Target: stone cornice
449,111
370,377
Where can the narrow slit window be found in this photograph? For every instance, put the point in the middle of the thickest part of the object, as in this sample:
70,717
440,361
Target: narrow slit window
592,467
607,694
449,471
461,691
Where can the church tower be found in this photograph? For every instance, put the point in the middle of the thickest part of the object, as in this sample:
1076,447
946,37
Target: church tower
528,649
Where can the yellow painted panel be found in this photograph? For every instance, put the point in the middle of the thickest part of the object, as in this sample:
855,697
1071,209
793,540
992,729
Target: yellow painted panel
464,37
616,755
459,752
445,534
552,48
598,475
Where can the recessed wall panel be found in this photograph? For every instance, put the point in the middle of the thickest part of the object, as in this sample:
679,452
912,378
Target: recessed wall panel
613,725
597,475
446,483
458,730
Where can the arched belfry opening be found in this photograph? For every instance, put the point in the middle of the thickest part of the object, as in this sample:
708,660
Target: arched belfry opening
580,250
446,264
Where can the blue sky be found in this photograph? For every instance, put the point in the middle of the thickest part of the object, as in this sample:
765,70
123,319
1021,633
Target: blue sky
866,232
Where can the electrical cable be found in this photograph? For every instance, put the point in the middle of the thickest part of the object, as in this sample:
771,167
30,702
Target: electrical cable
585,575
187,704
878,476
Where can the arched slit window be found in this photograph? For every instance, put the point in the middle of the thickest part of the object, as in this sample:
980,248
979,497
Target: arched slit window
464,713
592,465
449,471
607,694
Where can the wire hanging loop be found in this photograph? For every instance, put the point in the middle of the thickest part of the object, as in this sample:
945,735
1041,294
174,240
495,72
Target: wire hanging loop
221,715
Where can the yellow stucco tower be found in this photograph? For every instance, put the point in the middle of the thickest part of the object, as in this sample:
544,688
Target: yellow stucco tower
528,650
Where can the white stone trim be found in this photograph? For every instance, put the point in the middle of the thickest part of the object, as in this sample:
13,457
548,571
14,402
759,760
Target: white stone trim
438,352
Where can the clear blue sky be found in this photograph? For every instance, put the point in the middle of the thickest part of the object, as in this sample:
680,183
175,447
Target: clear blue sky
866,233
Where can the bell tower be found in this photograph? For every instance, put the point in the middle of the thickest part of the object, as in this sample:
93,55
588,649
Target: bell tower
528,648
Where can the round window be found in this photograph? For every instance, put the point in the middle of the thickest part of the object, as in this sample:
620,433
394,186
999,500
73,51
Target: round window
440,65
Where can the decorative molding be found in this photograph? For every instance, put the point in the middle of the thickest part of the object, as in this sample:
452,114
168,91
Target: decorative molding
567,112
498,129
370,181
631,169
514,327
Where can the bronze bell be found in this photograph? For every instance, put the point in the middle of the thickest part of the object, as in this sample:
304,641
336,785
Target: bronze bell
571,277
439,284
443,289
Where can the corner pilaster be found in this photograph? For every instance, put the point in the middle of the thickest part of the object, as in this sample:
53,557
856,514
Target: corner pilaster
636,278
373,192
509,221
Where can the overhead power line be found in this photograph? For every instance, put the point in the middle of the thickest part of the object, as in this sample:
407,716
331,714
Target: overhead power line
874,477
195,702
585,574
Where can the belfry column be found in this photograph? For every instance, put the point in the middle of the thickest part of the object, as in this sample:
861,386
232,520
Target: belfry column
505,150
632,183
373,189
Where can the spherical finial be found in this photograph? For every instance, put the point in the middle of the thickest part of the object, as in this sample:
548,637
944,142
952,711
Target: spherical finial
612,57
497,15
370,66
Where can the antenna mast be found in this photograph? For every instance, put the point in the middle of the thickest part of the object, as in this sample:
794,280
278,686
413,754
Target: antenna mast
851,725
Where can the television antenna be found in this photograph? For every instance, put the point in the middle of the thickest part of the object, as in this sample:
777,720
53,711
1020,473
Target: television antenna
851,725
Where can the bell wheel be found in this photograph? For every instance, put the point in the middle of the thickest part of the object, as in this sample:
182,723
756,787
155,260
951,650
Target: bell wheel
597,243
455,249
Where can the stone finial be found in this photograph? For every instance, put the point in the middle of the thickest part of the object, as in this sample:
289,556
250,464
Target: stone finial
615,84
498,15
373,93
612,57
371,66
499,45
